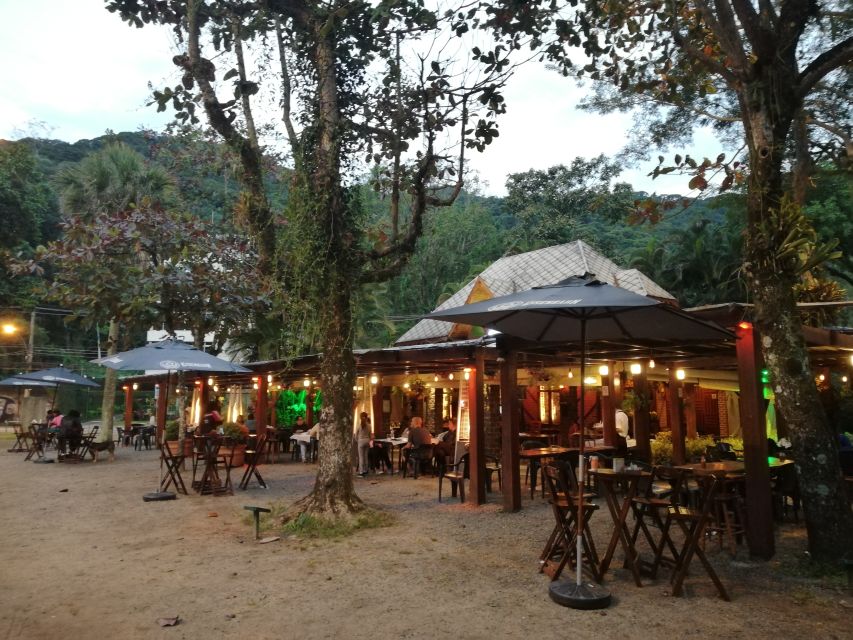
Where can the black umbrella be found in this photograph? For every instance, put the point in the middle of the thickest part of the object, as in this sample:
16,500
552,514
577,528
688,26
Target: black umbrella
57,376
168,355
578,310
15,381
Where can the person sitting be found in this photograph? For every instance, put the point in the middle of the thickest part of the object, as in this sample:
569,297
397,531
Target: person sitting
305,447
70,432
418,437
211,420
378,457
447,442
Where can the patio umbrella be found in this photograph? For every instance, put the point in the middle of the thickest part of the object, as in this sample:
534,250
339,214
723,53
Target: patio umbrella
168,355
57,376
15,381
578,310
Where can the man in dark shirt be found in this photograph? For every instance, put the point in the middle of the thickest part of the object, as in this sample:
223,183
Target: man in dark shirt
418,437
446,447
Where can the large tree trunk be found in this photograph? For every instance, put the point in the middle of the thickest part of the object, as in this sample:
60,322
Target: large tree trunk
333,494
109,399
770,107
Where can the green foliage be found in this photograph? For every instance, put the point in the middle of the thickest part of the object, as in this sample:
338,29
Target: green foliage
289,406
171,430
233,431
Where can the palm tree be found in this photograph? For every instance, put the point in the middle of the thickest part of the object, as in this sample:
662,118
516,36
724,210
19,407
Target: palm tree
111,180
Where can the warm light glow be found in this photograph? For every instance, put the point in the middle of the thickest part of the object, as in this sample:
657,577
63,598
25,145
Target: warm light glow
603,370
571,375
467,374
435,378
679,374
450,377
636,368
306,383
821,377
590,380
198,382
374,379
124,387
135,386
744,325
278,387
255,386
851,359
562,386
269,377
254,378
651,363
616,381
210,382
406,385
215,388
843,378
9,329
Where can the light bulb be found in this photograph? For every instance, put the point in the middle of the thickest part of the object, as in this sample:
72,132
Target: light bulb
467,375
435,378
135,386
616,381
255,386
651,363
603,370
636,368
210,382
571,375
821,377
450,377
374,379
843,378
306,383
269,377
679,374
406,385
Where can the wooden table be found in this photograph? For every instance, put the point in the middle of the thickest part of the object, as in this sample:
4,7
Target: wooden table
630,480
726,467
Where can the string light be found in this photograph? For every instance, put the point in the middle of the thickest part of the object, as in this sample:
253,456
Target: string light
467,374
135,386
651,363
269,377
636,368
374,379
571,375
210,382
679,374
603,370
306,383
450,377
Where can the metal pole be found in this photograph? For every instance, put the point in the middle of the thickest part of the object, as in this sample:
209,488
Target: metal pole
31,340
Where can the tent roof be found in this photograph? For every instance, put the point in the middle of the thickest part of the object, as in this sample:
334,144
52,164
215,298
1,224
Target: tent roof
535,269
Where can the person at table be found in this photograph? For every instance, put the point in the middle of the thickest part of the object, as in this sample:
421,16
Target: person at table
299,425
418,437
212,419
623,424
378,457
55,422
70,432
304,447
447,441
363,437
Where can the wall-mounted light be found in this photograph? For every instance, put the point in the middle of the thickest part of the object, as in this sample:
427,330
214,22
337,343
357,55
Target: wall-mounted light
255,386
435,378
306,382
562,386
590,380
679,374
603,370
215,388
374,379
636,368
135,386
198,382
744,325
821,377
124,387
467,374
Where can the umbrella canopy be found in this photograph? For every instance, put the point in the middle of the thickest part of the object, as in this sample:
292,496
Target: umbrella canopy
55,376
169,355
22,382
557,313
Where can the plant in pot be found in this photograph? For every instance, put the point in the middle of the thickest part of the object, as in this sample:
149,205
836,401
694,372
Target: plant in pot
172,435
235,440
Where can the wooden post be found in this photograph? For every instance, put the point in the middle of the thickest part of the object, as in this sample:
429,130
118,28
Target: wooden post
477,435
608,412
128,405
642,423
673,401
273,404
162,407
759,506
509,434
202,397
262,405
309,406
618,389
690,409
439,406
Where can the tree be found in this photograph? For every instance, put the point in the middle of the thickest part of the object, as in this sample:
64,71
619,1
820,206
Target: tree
368,85
768,57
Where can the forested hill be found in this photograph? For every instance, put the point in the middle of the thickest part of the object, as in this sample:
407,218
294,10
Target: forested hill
694,252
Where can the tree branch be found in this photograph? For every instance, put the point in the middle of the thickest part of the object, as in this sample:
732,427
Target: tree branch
825,63
286,88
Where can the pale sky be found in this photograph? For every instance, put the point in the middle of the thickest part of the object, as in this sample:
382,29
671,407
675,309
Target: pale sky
81,70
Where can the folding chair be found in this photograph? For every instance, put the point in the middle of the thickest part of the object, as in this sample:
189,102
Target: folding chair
173,464
560,547
37,440
663,490
253,457
20,441
693,523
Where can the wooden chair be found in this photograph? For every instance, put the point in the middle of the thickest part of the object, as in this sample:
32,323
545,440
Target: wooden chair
785,490
20,440
560,547
664,490
493,466
534,466
37,443
730,512
253,456
173,462
456,476
693,522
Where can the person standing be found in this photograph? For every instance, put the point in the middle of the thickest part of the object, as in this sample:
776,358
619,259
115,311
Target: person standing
363,437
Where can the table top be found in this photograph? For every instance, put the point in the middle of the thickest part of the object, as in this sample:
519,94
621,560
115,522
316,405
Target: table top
730,466
395,441
624,473
301,437
544,452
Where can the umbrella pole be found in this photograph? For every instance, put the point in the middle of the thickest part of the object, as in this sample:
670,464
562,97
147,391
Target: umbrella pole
580,595
157,495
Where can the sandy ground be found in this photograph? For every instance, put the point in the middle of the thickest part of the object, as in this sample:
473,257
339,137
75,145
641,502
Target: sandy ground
95,561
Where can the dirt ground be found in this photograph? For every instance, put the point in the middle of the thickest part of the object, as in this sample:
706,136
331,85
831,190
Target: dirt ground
95,561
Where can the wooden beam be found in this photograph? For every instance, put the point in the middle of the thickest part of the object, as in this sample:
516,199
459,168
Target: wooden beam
128,404
378,415
759,506
509,434
676,424
642,422
477,435
608,411
690,409
261,405
162,407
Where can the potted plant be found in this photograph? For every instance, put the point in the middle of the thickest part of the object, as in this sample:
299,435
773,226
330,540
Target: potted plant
171,434
235,439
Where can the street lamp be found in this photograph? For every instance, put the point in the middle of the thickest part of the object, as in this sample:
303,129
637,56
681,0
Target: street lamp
9,329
